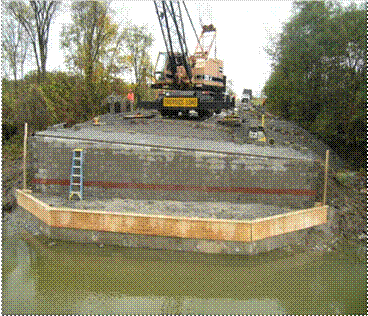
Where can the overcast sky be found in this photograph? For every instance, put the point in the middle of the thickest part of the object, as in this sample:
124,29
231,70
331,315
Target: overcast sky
243,29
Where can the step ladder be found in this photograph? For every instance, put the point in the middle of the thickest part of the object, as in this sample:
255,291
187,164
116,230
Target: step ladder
76,175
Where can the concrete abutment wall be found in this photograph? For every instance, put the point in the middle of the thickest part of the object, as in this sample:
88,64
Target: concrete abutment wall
154,173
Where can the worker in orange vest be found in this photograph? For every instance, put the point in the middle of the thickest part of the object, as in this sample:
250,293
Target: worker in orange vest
234,98
130,98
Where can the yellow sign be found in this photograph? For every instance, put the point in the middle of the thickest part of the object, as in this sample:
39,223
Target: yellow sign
181,102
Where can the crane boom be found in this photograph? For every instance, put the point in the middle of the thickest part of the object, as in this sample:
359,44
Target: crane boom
172,27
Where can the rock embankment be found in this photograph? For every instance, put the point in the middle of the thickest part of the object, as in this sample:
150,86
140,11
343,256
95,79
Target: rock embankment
348,200
12,177
348,228
350,207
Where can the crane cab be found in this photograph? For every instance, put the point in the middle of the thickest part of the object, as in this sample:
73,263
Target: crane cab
170,73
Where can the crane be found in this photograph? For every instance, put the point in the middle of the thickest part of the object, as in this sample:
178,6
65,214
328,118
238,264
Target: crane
186,82
176,56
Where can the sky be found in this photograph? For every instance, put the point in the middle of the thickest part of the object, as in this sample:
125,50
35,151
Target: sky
243,30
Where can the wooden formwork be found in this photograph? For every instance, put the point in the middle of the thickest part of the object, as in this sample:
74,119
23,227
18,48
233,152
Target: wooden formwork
169,226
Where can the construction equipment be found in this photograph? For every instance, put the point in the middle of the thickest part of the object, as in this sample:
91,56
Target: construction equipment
186,82
76,175
257,133
246,96
231,120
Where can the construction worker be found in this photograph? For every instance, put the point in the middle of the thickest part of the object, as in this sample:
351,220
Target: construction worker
130,98
234,99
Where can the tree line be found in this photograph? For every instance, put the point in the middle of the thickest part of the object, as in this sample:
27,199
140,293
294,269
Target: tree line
97,49
319,74
318,77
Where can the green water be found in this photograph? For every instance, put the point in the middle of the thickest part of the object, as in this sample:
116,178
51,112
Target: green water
84,279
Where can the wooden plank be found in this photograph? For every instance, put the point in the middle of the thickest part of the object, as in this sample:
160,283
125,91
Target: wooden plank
25,156
34,206
51,208
270,227
326,177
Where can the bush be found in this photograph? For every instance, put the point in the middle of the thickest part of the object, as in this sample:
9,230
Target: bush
35,109
8,130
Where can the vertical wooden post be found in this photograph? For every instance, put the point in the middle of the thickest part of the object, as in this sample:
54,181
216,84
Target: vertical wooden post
263,120
25,156
326,177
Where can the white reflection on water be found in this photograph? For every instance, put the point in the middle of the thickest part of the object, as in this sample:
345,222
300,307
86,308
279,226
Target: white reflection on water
336,307
19,286
117,303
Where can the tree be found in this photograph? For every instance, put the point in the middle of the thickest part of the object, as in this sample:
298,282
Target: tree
319,71
92,42
230,87
15,45
36,20
138,41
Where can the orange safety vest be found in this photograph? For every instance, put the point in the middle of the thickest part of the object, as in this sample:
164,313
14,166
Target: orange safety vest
130,96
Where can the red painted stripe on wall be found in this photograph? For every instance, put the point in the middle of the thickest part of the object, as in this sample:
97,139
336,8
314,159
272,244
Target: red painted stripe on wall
180,187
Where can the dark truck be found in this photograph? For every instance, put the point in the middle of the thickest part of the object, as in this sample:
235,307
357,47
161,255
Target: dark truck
246,96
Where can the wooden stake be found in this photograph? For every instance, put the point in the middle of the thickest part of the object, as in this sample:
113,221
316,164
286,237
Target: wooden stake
263,120
25,156
326,177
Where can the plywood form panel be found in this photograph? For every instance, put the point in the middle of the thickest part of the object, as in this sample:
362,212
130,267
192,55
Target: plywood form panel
151,225
160,225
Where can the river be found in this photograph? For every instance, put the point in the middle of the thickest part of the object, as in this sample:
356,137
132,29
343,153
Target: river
72,278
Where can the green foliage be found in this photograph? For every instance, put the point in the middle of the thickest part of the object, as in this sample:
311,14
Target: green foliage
91,41
60,98
257,101
34,107
319,77
12,148
94,47
95,51
138,41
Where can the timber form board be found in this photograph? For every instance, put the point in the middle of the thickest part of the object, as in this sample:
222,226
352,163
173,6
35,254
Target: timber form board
182,227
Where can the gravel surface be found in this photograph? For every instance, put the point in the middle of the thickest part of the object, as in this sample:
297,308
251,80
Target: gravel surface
194,129
205,135
170,208
290,134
